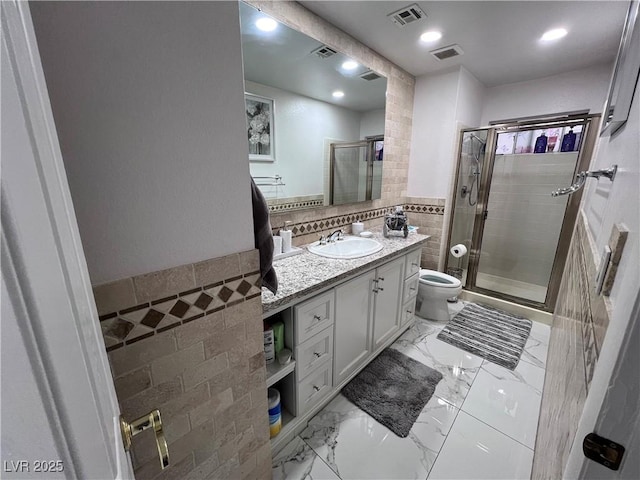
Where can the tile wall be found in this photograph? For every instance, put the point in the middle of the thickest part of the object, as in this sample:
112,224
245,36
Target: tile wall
188,340
426,213
524,221
579,324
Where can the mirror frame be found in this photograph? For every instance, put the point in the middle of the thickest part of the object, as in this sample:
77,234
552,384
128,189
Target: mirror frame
625,75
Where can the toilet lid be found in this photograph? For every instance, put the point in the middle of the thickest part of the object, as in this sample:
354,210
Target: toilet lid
438,279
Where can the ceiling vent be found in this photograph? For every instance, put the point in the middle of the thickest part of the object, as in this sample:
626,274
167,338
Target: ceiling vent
447,52
369,75
407,15
324,52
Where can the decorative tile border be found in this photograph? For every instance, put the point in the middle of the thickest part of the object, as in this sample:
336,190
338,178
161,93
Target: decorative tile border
336,222
428,209
138,322
320,225
294,205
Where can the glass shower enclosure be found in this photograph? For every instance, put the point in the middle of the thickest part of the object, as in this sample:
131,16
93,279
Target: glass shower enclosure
356,170
515,233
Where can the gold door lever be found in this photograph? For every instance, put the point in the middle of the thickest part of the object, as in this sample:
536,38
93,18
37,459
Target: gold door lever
151,419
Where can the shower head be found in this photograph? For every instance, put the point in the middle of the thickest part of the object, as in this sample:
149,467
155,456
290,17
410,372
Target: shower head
473,135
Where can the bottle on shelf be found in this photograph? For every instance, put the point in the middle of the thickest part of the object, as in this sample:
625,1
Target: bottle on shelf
568,141
541,144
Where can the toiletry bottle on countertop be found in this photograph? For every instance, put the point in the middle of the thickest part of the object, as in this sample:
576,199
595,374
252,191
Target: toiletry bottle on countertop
286,235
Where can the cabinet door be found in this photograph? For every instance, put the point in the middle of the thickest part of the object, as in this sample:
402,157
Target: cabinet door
352,327
388,295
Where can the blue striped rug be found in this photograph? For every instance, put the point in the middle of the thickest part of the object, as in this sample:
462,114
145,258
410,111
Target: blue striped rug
487,332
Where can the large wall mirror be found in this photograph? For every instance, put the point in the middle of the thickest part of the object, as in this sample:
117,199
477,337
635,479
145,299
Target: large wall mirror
315,118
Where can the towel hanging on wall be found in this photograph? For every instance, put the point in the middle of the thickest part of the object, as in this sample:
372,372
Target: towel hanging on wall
263,238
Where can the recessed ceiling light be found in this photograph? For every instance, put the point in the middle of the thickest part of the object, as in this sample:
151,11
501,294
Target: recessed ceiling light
431,36
350,65
338,94
266,24
554,34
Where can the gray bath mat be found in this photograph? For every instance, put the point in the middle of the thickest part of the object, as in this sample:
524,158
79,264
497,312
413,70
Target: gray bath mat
393,389
489,333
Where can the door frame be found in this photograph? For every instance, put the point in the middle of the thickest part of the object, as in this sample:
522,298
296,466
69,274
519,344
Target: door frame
590,127
45,272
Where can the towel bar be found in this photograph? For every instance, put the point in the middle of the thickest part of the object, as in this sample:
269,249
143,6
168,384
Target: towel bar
610,173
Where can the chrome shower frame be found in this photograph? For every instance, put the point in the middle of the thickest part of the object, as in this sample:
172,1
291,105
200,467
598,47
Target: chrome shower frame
590,128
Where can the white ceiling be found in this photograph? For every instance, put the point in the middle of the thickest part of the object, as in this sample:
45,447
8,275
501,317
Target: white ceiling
283,59
499,38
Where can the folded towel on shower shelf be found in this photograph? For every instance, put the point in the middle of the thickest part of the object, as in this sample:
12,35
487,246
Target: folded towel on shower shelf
263,238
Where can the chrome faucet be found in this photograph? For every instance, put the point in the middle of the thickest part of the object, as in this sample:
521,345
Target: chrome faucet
338,233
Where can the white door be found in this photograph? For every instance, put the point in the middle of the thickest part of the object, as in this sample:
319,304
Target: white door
387,301
59,408
352,337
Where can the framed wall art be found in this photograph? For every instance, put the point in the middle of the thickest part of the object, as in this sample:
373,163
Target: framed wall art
260,128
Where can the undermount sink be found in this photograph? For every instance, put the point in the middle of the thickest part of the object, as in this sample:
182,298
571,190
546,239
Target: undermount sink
349,247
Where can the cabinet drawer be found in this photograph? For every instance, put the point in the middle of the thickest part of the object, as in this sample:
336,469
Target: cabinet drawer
410,288
412,263
314,352
313,316
314,388
408,312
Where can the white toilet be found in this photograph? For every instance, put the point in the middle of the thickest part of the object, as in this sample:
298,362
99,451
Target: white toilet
433,291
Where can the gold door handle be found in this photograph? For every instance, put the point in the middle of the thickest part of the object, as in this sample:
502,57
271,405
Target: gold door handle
151,419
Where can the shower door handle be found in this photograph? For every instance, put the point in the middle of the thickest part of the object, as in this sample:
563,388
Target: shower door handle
485,214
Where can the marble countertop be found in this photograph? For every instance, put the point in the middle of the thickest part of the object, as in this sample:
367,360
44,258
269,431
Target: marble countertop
306,273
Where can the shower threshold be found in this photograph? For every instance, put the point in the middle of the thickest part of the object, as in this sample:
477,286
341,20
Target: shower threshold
513,308
530,291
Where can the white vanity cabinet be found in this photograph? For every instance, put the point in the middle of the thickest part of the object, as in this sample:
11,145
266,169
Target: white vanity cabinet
313,320
336,333
387,299
367,316
353,329
410,287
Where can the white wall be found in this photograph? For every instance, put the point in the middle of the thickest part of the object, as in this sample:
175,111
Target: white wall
442,103
301,124
583,89
148,103
372,123
470,100
433,135
615,378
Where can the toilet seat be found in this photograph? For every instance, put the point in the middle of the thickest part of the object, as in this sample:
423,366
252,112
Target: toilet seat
438,279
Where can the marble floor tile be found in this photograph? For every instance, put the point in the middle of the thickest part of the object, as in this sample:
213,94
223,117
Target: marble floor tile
535,350
356,446
458,367
474,450
509,401
298,461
